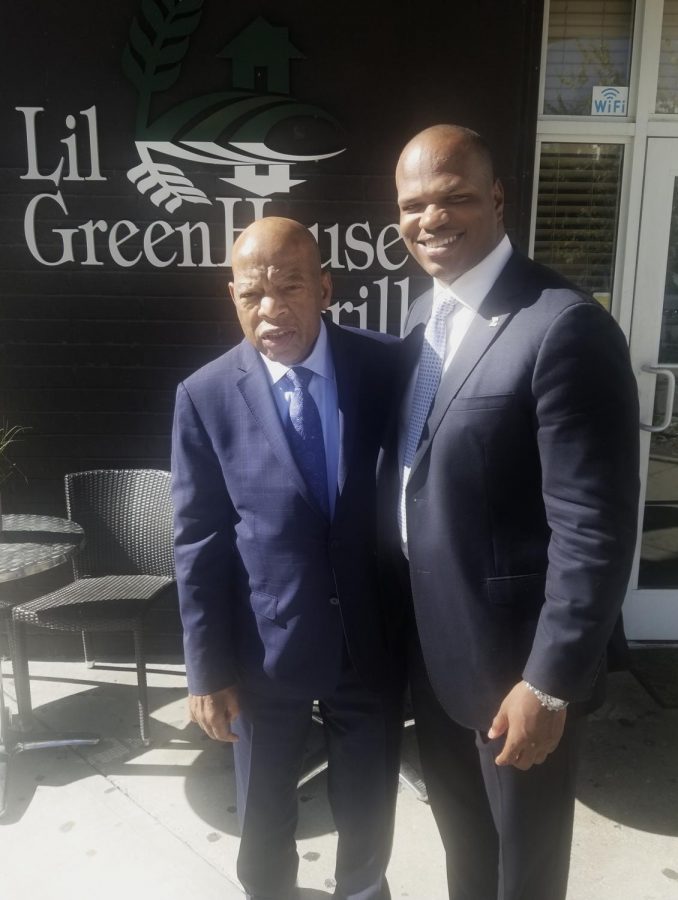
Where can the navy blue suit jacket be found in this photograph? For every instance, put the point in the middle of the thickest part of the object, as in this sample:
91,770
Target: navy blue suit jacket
523,495
269,588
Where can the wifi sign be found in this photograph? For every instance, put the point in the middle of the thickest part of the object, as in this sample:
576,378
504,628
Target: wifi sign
609,101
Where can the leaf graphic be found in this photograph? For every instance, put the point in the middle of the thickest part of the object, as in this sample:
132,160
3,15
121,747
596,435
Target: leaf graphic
139,41
186,6
165,79
168,185
154,14
152,57
173,52
183,26
131,68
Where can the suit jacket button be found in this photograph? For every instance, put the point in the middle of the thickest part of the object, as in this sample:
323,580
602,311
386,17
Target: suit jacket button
334,601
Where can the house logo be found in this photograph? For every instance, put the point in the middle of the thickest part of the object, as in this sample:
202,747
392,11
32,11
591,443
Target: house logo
229,130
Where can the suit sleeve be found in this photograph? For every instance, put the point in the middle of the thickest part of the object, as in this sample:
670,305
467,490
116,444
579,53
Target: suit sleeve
588,436
204,551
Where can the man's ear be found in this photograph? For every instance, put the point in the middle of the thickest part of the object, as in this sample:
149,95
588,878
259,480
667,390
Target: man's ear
231,290
326,289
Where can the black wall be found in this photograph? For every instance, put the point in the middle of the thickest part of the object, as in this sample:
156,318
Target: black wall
91,351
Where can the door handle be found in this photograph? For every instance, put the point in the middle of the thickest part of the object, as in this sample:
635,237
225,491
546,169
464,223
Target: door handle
661,372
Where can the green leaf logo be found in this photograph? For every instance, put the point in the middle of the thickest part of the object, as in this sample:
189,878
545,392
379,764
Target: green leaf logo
227,128
153,63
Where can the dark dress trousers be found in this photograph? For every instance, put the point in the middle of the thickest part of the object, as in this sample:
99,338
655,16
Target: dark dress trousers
283,603
522,512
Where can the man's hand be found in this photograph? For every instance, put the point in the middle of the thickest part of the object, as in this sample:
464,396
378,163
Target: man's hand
215,712
532,731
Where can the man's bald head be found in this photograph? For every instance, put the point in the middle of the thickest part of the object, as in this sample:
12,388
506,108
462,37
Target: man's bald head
279,288
271,236
443,141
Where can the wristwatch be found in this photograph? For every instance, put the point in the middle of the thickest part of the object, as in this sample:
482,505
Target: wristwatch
553,704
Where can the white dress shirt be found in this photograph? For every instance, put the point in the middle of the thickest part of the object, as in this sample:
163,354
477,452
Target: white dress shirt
469,290
323,389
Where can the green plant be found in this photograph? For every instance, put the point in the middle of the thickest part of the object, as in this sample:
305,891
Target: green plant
8,435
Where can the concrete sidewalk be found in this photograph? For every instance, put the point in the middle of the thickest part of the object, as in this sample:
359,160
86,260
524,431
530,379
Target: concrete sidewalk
121,820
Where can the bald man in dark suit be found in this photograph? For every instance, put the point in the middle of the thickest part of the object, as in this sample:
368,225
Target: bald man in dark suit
274,451
510,505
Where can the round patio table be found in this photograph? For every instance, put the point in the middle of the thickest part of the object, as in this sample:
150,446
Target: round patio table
29,545
33,544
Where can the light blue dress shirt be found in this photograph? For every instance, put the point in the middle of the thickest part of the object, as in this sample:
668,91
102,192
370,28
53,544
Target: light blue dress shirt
323,389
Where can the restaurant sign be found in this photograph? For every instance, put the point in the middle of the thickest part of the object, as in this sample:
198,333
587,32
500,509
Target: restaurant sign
223,149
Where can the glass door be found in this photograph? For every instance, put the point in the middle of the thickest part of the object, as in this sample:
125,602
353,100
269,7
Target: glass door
651,608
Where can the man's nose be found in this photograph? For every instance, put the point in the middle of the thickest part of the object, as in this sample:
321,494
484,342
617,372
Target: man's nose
433,217
271,306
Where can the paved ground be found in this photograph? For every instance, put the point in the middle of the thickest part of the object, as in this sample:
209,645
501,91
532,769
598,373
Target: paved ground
120,820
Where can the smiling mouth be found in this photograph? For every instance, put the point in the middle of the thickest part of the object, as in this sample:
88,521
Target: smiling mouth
433,244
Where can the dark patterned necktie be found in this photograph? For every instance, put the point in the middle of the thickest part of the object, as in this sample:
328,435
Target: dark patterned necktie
426,386
305,434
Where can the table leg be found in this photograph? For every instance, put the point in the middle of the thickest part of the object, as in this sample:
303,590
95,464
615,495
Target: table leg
4,777
4,713
12,742
4,753
22,684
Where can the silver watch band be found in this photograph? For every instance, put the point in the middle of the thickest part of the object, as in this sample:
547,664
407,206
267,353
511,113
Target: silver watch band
553,704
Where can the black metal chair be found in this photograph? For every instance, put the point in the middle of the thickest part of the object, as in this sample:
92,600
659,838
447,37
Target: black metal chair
125,566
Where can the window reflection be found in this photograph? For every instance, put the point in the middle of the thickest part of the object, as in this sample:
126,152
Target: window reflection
659,548
578,211
588,44
667,86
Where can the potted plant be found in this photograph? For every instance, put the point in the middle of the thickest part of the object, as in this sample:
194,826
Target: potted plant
8,434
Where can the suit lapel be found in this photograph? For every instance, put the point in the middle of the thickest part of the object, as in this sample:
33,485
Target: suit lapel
493,315
347,375
480,336
255,387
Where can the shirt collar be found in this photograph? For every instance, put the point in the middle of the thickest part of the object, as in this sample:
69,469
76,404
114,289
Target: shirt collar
473,286
318,360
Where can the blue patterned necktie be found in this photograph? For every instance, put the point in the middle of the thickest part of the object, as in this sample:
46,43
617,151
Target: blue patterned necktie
428,379
305,434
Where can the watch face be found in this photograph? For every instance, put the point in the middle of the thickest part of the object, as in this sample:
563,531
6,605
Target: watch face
553,704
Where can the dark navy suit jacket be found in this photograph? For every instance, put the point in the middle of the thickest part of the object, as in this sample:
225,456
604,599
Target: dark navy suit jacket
523,495
269,588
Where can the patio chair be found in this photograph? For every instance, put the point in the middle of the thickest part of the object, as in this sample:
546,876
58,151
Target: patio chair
124,567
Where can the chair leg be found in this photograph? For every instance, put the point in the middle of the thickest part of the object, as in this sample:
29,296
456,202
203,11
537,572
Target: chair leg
144,724
22,685
86,649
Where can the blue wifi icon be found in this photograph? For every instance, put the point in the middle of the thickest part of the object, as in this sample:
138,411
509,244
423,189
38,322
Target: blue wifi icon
609,102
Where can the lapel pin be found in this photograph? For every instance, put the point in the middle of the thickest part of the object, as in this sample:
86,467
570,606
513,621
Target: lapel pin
494,321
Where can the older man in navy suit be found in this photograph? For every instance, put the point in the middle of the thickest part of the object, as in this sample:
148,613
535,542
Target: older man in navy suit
274,451
513,504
